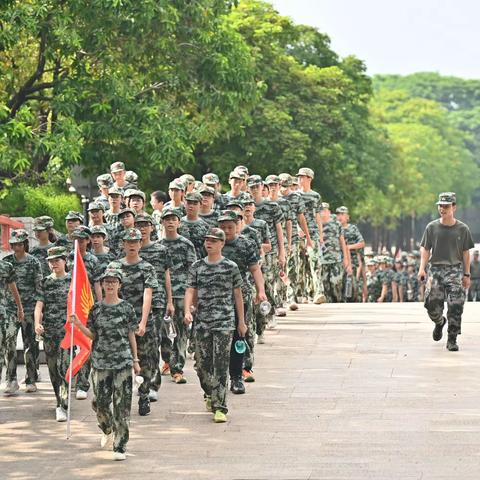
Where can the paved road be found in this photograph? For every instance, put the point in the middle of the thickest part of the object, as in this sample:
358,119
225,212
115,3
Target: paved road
342,392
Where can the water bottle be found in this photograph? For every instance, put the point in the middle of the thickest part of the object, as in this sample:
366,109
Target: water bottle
241,346
265,308
349,287
138,380
170,327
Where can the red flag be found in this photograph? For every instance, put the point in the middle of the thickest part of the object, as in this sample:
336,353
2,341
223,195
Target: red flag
80,301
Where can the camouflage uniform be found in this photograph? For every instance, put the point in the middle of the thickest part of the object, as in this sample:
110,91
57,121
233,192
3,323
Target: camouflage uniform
104,259
374,286
137,278
352,235
53,294
112,368
245,254
332,267
214,325
29,278
7,322
288,216
211,219
182,254
410,286
180,209
40,253
195,232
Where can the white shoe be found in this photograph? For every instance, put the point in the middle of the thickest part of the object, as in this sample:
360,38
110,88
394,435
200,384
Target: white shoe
81,395
11,388
39,376
261,339
281,312
30,388
319,299
153,395
119,456
107,440
60,415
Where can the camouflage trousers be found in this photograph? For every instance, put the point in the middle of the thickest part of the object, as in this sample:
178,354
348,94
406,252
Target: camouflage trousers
445,282
293,274
239,360
248,307
147,349
175,354
30,348
314,284
269,267
58,361
112,402
332,277
474,291
213,358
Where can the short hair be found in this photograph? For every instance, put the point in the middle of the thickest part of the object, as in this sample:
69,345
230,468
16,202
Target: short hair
160,196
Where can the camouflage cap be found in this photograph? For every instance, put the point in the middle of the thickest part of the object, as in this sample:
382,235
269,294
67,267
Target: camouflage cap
216,233
285,179
176,184
305,172
228,216
371,263
143,217
43,223
131,177
114,190
82,231
72,215
272,179
325,206
193,197
132,234
18,236
105,180
242,169
95,206
447,198
127,210
168,212
197,185
234,203
112,273
205,189
254,180
117,167
56,252
187,178
210,179
294,181
237,174
341,209
133,192
98,230
248,199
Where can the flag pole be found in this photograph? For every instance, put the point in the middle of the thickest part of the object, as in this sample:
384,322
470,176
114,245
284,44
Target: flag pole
72,327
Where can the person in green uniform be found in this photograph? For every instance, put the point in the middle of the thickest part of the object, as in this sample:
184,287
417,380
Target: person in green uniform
193,227
176,192
29,276
72,221
43,229
111,325
98,236
214,288
50,319
207,211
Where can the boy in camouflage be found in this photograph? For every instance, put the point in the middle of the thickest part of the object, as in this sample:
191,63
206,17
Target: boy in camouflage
50,318
192,227
111,325
72,221
214,287
43,229
103,254
207,213
182,254
446,245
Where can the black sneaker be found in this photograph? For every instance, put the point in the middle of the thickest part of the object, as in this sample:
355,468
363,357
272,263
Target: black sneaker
143,406
237,387
452,343
438,330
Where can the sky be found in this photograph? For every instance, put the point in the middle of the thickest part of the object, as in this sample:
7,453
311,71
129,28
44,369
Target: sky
398,37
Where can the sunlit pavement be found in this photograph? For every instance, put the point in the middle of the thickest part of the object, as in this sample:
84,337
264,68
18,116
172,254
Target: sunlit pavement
342,392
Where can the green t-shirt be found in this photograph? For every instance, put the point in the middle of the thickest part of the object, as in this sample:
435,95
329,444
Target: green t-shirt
447,243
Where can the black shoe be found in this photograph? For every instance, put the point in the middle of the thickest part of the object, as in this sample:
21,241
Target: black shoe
452,343
237,387
143,406
438,330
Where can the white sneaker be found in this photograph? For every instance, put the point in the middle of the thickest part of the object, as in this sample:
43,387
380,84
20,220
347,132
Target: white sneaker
11,388
107,440
30,388
60,415
281,312
119,456
39,376
81,395
261,339
153,395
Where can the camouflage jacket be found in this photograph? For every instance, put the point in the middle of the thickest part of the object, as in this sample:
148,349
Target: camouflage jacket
40,253
195,232
215,283
262,227
92,265
271,213
312,201
182,255
211,218
29,281
298,207
352,235
252,234
103,260
7,276
180,209
332,232
288,215
54,295
110,325
64,241
112,220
